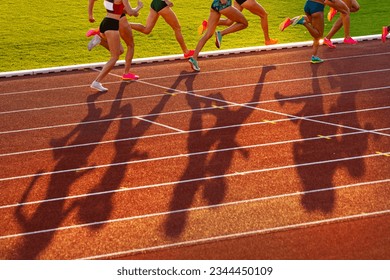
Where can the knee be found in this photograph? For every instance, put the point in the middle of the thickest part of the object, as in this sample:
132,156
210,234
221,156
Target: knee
355,8
176,28
245,23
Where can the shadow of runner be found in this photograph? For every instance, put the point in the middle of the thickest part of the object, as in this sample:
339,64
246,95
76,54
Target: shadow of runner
199,166
97,207
49,215
317,179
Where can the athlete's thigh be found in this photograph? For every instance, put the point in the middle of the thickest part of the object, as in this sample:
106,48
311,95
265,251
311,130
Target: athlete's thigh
254,7
170,17
233,14
317,21
125,30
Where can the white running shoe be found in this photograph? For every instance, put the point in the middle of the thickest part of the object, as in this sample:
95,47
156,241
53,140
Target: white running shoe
94,42
98,86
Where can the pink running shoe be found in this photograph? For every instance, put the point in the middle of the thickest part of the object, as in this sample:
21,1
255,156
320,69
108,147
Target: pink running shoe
332,13
189,54
130,76
329,43
286,23
350,41
385,32
92,32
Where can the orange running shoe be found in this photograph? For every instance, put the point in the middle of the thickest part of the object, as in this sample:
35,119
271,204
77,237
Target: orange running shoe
385,32
202,28
332,13
286,23
271,42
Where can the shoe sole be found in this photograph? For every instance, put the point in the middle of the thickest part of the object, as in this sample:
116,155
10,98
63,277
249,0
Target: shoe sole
286,23
193,66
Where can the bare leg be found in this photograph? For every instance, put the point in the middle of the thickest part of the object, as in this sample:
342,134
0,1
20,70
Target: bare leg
255,8
114,44
235,15
170,17
150,23
127,35
211,26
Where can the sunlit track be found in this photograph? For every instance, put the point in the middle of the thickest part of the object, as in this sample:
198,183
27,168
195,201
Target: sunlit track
180,155
194,110
240,234
201,73
178,131
281,196
273,112
203,90
123,189
283,153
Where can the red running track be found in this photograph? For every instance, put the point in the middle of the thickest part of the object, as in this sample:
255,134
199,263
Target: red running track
258,156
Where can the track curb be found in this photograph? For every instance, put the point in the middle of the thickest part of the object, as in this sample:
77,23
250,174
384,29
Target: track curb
174,57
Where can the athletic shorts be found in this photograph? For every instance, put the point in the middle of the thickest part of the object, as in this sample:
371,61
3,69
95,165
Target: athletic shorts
109,24
158,5
217,6
240,1
313,7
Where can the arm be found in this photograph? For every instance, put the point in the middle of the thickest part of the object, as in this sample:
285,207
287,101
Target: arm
91,4
169,3
130,11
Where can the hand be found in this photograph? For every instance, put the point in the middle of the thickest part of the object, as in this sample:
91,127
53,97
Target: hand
91,19
169,3
140,5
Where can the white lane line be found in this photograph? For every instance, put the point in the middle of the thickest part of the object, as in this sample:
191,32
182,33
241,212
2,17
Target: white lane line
194,91
199,208
189,110
201,73
241,234
184,132
270,111
160,124
228,175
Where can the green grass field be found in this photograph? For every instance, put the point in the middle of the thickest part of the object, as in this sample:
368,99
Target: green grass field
42,33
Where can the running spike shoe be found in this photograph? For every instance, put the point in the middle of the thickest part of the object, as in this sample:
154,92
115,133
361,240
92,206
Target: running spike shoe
286,23
329,43
298,20
130,76
92,32
350,41
385,32
218,39
316,59
194,64
189,54
271,42
202,28
94,42
98,86
332,12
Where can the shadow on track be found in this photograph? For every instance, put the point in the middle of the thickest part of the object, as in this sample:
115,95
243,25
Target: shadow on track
49,215
205,164
317,179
